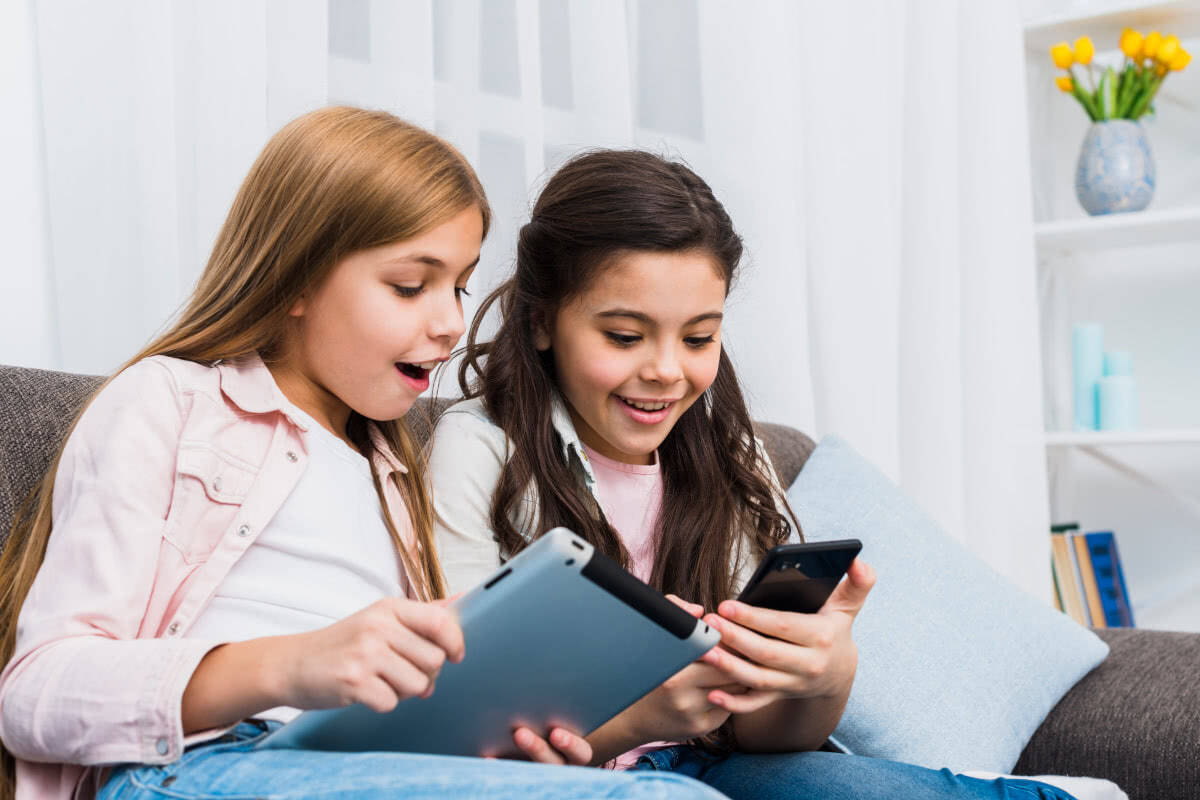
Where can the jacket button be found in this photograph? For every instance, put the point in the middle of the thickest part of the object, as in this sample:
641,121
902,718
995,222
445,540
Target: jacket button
292,457
216,484
243,530
162,746
172,629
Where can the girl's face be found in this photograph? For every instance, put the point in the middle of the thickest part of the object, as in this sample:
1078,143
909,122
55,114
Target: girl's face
635,350
367,336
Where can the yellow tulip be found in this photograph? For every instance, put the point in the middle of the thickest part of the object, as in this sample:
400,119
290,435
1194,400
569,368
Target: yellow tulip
1084,50
1061,53
1151,44
1131,43
1065,83
1168,49
1160,69
1181,60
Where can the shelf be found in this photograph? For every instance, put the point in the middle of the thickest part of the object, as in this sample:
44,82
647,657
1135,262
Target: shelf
1181,18
1115,438
1119,230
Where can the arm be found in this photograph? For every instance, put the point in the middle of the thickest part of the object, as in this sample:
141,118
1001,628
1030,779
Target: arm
466,456
77,646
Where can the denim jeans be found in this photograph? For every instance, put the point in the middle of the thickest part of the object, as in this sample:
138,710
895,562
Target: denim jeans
823,775
233,767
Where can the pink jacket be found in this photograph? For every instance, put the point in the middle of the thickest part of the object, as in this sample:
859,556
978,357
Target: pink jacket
168,477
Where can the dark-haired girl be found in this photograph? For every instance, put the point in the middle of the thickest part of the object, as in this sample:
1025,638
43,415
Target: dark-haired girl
606,404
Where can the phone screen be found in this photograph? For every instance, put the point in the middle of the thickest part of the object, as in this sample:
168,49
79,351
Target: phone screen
800,577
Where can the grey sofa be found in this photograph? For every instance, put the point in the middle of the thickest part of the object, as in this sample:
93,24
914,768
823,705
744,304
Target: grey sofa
1135,719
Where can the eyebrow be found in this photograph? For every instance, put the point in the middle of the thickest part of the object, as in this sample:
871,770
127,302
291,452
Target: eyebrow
429,260
644,318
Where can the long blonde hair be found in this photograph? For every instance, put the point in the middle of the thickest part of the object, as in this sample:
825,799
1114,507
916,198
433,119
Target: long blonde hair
329,183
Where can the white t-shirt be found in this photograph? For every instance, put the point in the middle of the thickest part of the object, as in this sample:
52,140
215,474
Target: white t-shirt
326,554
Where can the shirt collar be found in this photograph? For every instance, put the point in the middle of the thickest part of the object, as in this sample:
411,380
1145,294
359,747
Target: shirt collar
250,386
560,418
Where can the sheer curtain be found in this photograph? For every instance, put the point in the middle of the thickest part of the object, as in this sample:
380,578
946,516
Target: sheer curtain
873,154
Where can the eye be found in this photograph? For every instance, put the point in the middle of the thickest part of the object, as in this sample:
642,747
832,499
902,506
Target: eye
698,342
622,339
408,291
460,292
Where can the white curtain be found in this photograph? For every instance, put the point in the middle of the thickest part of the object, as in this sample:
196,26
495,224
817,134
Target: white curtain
873,155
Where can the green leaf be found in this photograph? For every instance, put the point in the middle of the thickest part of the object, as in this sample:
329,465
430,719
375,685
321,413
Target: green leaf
1107,94
1084,97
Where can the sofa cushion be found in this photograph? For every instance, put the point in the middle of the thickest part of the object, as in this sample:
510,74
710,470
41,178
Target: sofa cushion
957,666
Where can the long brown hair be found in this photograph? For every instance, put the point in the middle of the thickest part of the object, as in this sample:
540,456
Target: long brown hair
716,488
329,183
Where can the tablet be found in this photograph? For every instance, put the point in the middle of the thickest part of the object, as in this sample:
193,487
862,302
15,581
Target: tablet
559,636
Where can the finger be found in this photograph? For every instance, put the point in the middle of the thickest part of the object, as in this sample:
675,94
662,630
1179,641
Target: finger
787,625
418,651
575,749
377,695
747,673
448,601
435,623
404,678
852,592
775,653
536,747
695,610
744,703
699,675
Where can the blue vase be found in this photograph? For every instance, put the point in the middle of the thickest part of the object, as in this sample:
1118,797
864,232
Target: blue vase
1115,171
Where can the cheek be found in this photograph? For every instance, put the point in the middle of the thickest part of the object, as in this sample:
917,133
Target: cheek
703,371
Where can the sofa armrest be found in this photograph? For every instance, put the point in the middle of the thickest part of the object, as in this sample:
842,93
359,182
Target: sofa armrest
1135,719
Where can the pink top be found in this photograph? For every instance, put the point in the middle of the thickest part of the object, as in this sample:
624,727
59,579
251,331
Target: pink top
167,479
631,497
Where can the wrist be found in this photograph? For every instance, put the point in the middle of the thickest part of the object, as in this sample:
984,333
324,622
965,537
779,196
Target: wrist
272,665
618,735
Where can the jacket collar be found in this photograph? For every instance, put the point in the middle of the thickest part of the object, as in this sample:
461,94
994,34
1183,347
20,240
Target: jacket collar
250,386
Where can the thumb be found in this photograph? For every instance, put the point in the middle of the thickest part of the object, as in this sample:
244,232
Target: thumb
851,593
448,601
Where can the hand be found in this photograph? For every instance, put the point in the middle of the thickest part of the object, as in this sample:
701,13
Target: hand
781,654
680,707
563,747
391,650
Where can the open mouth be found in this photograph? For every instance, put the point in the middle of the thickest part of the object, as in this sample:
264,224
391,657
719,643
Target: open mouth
646,405
417,372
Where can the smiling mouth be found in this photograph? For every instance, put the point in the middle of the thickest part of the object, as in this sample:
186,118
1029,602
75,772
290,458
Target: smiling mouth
646,405
416,371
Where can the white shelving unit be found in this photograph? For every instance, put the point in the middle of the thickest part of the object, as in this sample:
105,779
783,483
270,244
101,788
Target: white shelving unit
1118,230
1118,479
1184,436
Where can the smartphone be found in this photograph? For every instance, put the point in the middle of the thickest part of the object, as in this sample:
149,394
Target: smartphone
800,577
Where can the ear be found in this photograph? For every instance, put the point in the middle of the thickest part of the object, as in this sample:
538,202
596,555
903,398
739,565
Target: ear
299,308
541,333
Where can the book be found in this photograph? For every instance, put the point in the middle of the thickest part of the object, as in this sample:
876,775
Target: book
1110,579
1058,606
1065,577
1087,579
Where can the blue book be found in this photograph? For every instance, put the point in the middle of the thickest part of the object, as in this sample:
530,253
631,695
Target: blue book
1110,579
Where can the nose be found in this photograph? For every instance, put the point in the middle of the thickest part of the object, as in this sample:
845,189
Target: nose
663,367
446,319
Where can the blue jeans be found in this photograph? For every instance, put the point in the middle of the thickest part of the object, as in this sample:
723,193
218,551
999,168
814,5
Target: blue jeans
233,767
833,776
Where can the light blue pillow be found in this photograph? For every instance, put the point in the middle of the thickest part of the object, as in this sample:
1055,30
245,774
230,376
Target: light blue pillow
957,667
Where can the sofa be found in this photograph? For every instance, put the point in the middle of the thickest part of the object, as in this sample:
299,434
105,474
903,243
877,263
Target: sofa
1135,719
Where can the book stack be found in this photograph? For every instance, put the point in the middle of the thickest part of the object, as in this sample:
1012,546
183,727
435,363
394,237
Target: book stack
1089,584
